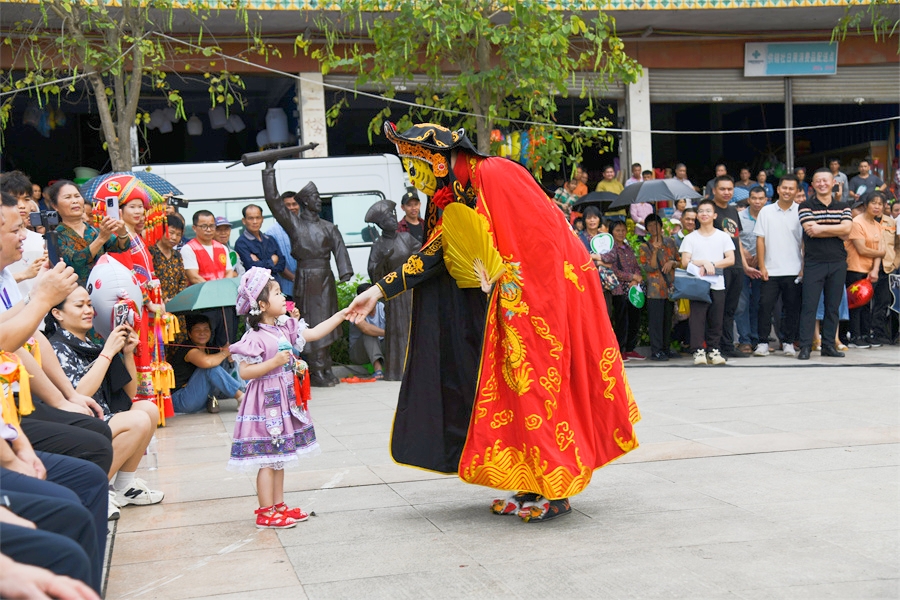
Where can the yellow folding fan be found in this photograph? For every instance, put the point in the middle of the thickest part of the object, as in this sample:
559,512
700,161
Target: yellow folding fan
469,251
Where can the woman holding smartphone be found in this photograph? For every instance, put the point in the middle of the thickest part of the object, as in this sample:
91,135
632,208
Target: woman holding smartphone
79,243
107,373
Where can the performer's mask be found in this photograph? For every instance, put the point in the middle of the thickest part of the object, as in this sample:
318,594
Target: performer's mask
421,175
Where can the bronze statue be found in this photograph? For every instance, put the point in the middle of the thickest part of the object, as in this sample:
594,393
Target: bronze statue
388,253
313,240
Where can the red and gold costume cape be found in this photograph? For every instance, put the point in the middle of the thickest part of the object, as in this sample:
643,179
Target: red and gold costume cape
552,402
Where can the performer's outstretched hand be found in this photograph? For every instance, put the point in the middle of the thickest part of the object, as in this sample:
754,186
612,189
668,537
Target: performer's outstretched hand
363,304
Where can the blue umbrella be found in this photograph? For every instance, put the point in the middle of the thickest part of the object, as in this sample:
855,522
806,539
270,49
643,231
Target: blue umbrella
151,180
740,194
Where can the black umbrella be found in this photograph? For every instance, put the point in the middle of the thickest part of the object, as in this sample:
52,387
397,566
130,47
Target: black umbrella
655,190
594,199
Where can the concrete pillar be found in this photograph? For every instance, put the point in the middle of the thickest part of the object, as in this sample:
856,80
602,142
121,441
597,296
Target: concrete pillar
311,107
637,111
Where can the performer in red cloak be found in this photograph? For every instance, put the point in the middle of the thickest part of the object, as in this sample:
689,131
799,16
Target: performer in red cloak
517,383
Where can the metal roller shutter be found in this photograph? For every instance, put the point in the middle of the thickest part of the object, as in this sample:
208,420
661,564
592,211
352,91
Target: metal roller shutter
702,85
877,84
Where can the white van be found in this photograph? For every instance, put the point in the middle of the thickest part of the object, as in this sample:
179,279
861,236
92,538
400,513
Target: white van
348,185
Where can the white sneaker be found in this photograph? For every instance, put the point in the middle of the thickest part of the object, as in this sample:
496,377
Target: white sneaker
700,357
788,350
761,350
112,507
716,359
139,493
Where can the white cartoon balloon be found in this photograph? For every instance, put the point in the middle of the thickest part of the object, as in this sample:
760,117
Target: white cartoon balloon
110,284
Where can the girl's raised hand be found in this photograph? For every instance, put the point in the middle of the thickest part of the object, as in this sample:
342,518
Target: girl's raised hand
295,313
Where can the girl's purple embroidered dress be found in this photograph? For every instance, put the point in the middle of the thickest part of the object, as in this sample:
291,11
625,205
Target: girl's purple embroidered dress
271,430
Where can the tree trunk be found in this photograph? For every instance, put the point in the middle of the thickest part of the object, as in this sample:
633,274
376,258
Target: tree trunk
108,126
483,124
483,129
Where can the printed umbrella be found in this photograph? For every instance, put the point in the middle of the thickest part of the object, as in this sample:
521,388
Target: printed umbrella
655,190
151,180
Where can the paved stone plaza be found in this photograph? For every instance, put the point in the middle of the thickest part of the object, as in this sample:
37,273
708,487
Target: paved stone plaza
768,479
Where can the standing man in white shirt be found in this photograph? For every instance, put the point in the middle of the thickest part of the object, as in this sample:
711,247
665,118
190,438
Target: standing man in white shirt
779,251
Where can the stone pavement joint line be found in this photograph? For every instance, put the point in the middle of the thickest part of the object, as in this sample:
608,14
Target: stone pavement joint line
768,482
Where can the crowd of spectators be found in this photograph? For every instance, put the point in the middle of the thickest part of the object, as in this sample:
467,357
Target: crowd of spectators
76,425
795,249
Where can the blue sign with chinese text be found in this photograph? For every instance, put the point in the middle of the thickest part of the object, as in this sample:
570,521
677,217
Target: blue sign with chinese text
790,59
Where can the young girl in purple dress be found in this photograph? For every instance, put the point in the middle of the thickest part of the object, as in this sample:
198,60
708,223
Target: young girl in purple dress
273,428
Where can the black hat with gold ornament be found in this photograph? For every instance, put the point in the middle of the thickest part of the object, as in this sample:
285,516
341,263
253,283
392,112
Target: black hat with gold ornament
431,143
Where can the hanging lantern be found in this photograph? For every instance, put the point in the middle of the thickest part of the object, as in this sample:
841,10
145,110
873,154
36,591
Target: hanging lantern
277,126
217,117
194,126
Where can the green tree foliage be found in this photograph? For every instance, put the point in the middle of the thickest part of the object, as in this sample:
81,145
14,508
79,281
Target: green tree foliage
123,52
492,61
880,17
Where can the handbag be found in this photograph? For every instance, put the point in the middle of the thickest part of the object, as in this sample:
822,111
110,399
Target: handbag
608,278
689,287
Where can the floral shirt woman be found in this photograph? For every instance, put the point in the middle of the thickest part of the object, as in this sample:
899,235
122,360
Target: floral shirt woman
624,264
77,356
75,249
81,244
170,272
652,257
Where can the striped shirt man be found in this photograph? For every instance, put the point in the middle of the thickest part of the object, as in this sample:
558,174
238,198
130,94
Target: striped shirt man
823,249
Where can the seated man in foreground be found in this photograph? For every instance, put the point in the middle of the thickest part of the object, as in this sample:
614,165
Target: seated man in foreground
367,337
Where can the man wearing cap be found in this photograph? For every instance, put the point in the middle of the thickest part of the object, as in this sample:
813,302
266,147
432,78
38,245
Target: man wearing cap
313,241
223,236
517,383
411,223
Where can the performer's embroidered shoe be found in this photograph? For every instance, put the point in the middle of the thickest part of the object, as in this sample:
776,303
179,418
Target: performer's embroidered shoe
267,517
512,504
544,510
295,513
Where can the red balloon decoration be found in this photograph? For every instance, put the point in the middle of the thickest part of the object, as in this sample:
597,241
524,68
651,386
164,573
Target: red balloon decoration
859,293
